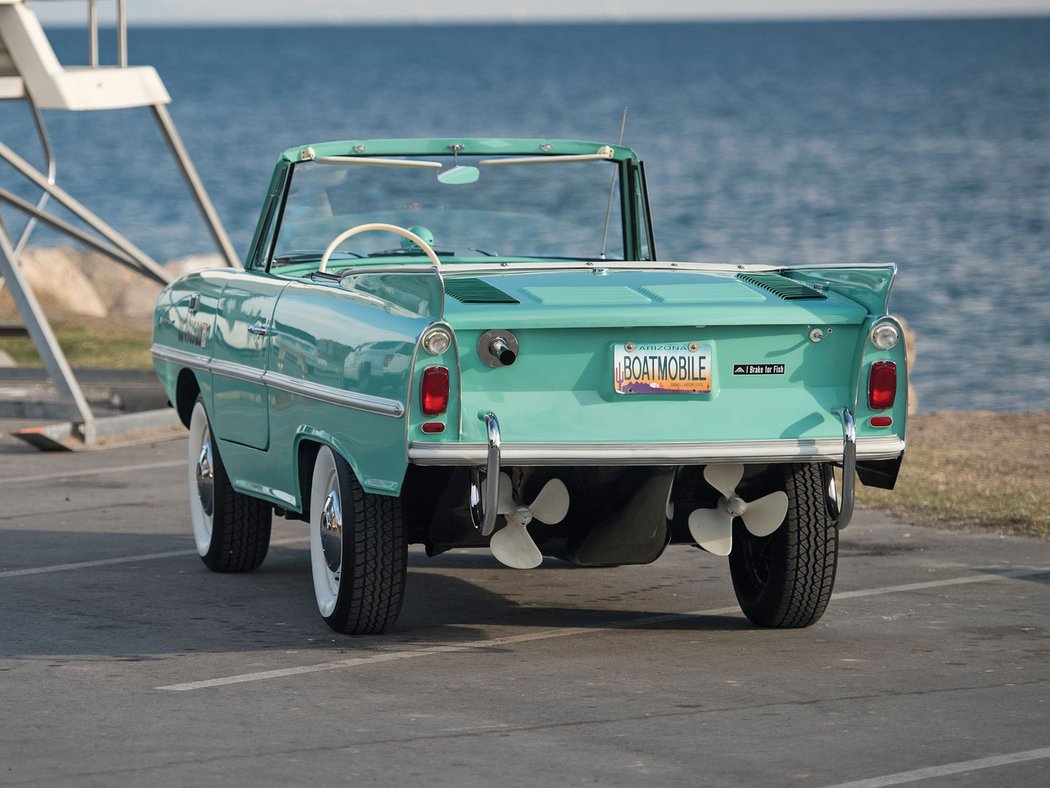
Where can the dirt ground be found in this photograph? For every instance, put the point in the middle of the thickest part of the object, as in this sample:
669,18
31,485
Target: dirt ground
973,469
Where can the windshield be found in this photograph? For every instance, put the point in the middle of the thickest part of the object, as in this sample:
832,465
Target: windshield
554,210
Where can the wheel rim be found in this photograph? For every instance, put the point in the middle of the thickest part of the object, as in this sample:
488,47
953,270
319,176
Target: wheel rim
758,563
201,479
332,531
205,475
326,532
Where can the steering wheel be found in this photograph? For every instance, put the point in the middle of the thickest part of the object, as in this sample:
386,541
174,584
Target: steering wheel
389,228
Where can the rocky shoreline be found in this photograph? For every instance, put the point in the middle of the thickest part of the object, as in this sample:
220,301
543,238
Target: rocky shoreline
77,282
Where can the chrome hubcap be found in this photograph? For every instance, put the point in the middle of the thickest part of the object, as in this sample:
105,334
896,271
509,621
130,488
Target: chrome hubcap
206,476
332,531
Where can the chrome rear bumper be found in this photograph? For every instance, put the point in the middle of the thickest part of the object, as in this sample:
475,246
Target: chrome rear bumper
706,453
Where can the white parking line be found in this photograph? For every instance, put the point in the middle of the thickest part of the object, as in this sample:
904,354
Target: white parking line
126,559
949,768
954,581
390,656
549,634
50,477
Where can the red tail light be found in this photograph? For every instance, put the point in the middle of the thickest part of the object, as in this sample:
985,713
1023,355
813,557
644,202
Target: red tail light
882,385
433,394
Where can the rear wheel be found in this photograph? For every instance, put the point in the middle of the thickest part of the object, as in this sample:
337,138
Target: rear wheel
231,530
358,550
785,579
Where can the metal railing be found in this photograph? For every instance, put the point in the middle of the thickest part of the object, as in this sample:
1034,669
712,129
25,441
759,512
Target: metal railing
122,33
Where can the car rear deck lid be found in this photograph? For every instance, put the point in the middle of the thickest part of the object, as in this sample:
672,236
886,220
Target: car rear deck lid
575,295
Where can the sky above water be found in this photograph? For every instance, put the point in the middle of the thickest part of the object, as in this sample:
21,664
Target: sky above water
427,11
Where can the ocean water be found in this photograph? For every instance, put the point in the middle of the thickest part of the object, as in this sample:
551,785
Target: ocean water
926,143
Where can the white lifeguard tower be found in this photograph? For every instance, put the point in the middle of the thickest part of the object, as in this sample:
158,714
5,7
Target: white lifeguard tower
30,71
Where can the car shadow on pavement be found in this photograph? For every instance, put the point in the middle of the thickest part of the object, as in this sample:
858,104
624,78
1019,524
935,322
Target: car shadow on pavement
174,605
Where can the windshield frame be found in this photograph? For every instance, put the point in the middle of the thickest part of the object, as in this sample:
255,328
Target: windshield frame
630,201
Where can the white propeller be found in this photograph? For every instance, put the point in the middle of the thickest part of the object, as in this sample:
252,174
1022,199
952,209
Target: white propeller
512,545
713,528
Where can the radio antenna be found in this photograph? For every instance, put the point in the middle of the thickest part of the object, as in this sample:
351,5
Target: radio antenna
612,190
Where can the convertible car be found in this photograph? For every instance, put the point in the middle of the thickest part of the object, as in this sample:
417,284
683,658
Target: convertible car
473,343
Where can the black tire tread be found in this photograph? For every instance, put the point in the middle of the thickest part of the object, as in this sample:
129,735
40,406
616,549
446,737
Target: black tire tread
803,558
241,526
240,533
375,561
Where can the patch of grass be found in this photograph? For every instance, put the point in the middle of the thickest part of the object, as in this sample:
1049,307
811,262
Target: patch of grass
104,343
973,469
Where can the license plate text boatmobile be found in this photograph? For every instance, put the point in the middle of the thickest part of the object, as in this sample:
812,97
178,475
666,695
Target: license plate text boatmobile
664,368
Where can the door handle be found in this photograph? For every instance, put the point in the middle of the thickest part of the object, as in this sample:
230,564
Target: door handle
259,329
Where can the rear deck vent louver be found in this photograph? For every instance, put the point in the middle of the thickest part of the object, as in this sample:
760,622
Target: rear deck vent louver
477,291
786,288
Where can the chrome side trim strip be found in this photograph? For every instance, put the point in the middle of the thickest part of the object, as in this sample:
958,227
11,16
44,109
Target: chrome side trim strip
275,380
820,450
334,396
231,369
187,359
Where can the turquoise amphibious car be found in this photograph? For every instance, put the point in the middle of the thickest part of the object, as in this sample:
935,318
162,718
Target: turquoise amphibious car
474,343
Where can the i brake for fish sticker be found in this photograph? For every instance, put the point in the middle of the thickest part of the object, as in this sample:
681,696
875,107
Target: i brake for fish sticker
758,369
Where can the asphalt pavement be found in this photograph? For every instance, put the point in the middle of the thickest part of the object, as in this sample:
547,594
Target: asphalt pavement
124,661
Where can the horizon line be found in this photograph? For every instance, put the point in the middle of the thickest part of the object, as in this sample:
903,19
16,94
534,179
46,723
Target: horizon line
346,21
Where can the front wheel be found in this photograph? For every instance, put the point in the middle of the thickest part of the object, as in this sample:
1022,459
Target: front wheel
231,529
785,579
358,550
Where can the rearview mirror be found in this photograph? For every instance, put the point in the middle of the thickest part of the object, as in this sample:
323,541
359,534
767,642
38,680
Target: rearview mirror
459,175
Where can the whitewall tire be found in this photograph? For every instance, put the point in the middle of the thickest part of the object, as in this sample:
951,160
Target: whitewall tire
231,530
358,550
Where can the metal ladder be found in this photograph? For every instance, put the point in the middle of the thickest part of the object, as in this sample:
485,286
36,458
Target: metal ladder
30,71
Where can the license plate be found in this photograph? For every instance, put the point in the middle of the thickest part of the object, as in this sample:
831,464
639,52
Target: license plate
662,368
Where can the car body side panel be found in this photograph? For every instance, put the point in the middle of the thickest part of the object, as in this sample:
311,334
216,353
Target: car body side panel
340,370
240,345
184,322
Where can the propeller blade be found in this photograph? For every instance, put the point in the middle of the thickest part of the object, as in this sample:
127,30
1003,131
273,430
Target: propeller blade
512,546
712,529
552,504
505,502
724,478
764,515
